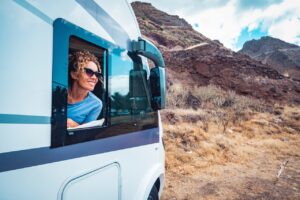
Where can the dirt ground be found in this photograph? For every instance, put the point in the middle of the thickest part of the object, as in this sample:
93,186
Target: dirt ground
257,159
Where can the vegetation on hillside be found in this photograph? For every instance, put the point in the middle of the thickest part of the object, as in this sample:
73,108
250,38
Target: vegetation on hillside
208,129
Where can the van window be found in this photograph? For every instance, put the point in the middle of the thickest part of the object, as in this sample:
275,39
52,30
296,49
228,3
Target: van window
130,98
78,50
123,88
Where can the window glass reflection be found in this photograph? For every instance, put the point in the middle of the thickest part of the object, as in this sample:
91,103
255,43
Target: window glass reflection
119,84
130,96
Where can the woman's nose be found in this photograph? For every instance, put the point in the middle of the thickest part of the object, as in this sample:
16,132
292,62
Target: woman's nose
94,77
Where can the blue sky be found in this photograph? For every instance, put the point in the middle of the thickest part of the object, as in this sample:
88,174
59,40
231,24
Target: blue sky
246,35
233,22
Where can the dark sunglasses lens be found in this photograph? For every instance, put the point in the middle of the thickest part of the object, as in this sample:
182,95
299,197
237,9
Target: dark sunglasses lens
90,73
98,74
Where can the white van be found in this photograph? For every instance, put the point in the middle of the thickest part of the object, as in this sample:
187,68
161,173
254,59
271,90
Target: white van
118,156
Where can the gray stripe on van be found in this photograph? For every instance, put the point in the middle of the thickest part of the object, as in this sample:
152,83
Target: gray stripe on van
24,119
44,155
34,11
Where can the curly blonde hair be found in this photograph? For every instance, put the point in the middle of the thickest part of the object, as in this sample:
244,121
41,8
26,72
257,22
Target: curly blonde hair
79,59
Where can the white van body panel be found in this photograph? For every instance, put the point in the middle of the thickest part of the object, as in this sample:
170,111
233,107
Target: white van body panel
47,180
26,39
22,136
25,73
77,187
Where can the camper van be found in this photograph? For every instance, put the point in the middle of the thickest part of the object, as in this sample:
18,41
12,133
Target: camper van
119,153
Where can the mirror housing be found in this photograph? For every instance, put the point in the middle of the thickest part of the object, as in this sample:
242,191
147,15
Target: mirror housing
137,95
157,74
158,88
149,50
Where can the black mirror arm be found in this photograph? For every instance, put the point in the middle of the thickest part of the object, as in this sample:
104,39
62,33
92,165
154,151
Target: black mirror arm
149,50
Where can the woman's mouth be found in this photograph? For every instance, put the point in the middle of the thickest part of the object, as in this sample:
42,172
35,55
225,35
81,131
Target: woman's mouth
92,83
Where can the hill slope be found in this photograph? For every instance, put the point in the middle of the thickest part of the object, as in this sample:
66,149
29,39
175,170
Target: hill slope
193,59
278,54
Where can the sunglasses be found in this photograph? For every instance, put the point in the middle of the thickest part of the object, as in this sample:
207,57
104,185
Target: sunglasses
90,73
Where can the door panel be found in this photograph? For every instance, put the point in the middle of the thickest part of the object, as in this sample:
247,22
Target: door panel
102,183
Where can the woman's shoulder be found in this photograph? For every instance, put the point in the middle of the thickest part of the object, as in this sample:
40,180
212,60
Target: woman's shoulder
94,98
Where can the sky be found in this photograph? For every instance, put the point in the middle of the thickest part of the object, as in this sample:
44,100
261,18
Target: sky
233,22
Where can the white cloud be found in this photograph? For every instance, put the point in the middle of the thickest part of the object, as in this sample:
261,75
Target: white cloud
287,30
120,84
225,21
286,24
218,23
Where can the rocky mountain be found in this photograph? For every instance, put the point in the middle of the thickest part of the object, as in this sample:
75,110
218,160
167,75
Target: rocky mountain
279,55
194,60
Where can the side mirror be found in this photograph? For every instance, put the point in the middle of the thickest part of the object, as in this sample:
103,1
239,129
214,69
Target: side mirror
157,74
158,88
137,93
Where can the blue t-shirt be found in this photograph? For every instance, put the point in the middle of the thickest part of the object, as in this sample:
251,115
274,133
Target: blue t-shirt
86,110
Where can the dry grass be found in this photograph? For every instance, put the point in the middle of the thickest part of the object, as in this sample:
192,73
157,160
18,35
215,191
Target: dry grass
179,96
190,132
214,104
224,129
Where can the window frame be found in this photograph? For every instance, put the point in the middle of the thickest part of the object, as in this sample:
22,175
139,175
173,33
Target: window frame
60,136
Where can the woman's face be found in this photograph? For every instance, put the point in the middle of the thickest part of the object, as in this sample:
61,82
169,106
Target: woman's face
84,80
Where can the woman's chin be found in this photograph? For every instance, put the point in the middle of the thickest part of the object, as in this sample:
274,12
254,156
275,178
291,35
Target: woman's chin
91,88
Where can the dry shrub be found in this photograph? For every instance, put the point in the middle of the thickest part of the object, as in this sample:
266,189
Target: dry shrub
211,97
260,138
243,103
211,104
185,135
176,96
168,116
186,143
213,132
190,149
199,118
207,93
290,119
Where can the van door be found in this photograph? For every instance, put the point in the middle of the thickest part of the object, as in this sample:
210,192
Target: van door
101,183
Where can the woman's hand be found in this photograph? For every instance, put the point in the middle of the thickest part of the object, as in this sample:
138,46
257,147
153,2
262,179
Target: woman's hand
71,123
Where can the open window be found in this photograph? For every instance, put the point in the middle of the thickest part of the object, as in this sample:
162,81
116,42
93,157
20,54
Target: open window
78,45
123,91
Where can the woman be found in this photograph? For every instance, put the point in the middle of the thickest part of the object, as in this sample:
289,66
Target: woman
84,74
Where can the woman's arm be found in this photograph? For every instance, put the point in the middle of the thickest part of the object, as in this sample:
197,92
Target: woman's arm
71,123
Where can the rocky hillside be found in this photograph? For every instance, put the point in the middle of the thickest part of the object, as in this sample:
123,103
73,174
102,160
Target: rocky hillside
163,29
282,56
193,59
